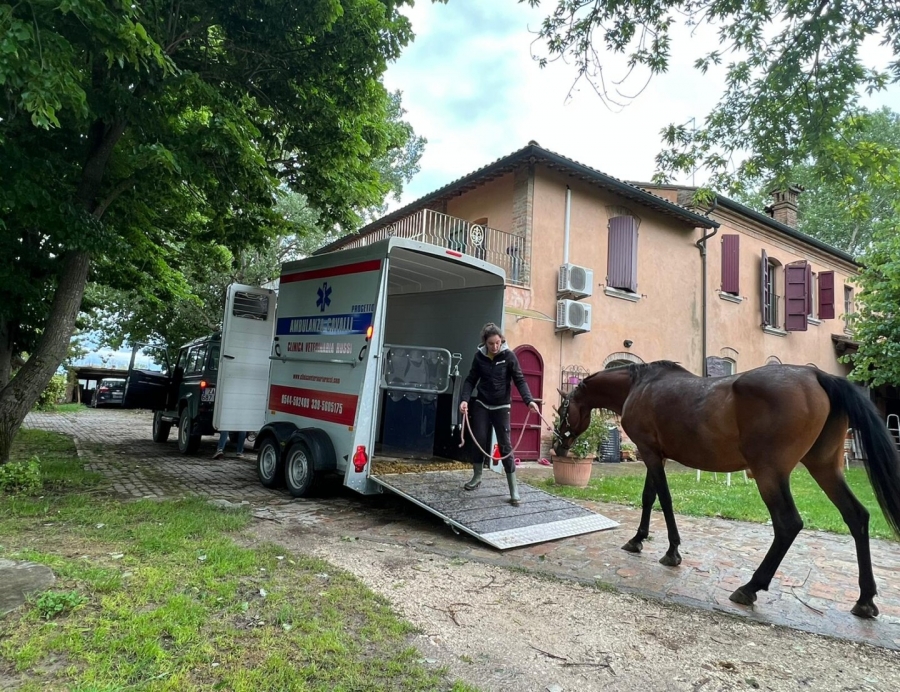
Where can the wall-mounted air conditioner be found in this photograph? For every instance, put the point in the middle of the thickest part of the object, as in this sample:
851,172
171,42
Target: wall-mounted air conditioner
573,316
574,282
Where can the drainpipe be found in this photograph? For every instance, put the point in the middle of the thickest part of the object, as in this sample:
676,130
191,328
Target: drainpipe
566,227
701,245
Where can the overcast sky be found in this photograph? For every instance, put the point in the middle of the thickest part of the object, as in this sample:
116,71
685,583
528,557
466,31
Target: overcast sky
472,88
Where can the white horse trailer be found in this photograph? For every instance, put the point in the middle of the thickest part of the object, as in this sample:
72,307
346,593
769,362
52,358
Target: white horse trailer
370,349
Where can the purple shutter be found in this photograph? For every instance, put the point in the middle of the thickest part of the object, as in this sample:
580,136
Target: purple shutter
764,288
622,261
731,269
796,296
810,277
826,295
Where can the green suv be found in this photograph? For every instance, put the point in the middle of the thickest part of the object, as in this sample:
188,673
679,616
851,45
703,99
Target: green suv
182,395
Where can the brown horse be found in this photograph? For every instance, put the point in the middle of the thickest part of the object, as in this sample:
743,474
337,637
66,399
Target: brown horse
767,420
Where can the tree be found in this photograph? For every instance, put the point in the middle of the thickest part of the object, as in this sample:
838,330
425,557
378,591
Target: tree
794,73
850,190
135,136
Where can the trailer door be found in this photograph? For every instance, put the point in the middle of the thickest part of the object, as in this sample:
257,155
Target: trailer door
242,382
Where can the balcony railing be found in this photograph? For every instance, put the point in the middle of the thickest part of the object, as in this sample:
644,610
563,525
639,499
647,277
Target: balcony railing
506,250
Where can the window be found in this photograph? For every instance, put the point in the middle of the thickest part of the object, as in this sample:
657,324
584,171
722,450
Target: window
621,268
826,295
251,306
731,256
796,296
214,350
769,291
720,367
196,360
849,306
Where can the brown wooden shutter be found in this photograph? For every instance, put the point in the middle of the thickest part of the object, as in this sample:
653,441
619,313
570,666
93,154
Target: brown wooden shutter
621,266
764,288
796,296
826,295
731,264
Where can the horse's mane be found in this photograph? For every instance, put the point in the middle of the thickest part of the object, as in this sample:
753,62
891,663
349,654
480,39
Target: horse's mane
638,371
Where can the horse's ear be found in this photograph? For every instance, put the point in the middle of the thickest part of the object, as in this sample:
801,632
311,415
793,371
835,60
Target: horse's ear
561,393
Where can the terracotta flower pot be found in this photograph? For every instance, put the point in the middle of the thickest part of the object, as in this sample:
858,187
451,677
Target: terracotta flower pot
571,471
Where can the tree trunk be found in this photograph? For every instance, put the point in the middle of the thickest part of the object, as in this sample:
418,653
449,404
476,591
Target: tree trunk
20,394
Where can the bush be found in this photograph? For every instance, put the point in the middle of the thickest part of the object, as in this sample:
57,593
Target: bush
21,476
53,394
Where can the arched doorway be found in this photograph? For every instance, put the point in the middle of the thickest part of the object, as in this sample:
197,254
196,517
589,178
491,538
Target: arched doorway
532,364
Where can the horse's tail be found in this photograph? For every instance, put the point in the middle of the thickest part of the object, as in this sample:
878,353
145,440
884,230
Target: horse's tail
881,458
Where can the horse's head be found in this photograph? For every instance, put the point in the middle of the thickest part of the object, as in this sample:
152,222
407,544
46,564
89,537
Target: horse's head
574,419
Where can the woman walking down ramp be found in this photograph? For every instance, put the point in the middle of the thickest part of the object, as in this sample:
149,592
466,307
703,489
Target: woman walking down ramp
493,370
766,420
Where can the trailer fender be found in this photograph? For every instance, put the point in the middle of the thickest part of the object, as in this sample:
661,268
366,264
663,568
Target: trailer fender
324,458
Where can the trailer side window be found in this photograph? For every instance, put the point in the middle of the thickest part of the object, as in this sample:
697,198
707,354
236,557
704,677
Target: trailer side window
251,306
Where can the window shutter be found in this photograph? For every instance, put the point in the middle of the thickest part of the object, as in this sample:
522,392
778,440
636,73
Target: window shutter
731,255
621,266
826,295
764,288
796,296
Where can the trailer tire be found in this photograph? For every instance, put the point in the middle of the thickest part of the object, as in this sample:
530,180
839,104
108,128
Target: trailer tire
269,464
161,428
187,442
299,469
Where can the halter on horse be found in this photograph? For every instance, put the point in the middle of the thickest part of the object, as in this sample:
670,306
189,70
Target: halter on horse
767,420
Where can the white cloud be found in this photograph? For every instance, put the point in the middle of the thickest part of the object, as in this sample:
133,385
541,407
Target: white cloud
472,88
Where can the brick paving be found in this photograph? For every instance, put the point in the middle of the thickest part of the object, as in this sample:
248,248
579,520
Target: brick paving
813,591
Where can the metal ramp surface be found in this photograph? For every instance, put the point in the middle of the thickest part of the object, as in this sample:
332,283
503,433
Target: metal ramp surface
486,514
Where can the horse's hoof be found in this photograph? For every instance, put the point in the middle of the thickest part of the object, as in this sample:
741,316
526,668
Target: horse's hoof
743,597
633,546
670,560
865,610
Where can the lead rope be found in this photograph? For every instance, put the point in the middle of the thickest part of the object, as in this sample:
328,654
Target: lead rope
466,424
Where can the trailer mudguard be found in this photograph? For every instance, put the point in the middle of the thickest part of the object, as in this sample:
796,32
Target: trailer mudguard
324,458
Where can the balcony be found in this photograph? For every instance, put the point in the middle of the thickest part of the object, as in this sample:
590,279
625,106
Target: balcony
506,250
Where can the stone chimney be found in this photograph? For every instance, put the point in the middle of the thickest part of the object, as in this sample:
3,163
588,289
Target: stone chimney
784,207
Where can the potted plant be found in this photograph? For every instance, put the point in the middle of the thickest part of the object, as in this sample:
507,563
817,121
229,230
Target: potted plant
628,451
575,470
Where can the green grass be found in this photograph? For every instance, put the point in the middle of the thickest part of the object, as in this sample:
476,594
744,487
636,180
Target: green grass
713,498
160,596
67,408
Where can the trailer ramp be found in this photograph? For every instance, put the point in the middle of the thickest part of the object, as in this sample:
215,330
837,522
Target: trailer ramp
486,513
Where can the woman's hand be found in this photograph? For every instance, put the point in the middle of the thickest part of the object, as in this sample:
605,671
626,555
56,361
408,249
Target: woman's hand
463,406
534,407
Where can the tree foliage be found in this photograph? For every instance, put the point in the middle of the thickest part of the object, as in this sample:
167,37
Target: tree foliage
136,136
793,72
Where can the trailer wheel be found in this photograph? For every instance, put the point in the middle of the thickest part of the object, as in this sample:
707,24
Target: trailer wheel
299,473
161,428
269,466
187,443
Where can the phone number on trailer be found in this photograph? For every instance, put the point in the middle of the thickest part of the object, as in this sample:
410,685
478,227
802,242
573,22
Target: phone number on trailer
312,404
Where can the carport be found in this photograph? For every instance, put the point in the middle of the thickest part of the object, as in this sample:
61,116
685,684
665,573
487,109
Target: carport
84,380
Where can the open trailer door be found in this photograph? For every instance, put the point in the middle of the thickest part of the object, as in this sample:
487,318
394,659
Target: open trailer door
242,382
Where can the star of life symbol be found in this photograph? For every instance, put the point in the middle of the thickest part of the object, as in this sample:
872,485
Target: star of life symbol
324,299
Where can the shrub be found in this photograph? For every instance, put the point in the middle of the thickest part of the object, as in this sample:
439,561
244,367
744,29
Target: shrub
21,476
53,394
589,441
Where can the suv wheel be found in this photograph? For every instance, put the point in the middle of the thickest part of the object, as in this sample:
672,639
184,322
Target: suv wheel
187,443
269,465
299,473
161,428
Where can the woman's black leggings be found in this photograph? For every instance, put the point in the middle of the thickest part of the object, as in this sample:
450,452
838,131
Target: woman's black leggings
482,420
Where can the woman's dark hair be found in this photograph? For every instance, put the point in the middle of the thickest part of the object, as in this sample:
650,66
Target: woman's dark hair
489,330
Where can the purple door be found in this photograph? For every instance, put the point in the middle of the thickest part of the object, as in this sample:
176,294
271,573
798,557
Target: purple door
529,448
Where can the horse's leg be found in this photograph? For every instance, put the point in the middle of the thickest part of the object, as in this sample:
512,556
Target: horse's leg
828,474
774,487
636,544
656,474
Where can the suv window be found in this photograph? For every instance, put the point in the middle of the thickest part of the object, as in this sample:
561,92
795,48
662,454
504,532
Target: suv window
182,359
214,350
196,360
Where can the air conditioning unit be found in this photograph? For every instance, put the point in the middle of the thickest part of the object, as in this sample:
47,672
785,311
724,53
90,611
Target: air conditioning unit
573,316
574,282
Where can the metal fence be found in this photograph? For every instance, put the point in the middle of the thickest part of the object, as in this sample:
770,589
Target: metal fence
506,250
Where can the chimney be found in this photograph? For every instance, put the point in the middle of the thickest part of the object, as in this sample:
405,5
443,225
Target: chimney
784,208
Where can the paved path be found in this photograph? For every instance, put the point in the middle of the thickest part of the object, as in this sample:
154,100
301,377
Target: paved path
813,591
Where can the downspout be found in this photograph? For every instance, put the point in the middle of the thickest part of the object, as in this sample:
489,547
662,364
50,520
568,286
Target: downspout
566,227
701,245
